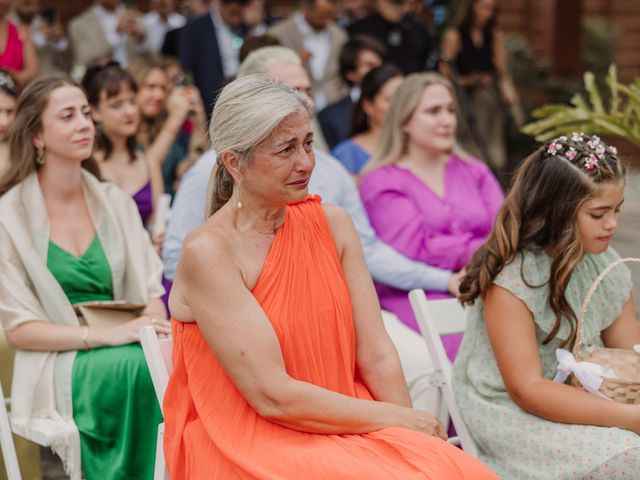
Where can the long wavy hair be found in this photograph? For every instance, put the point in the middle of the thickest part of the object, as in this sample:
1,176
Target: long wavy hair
150,127
540,211
32,103
393,141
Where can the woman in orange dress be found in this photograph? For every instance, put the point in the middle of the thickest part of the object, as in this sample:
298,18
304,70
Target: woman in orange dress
282,367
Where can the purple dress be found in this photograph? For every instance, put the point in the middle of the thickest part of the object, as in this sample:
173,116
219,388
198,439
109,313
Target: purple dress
144,201
441,231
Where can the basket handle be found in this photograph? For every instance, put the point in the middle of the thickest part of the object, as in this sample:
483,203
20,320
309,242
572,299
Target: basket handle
585,304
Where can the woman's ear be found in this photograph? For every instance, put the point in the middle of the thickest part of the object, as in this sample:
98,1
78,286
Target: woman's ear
37,141
367,107
231,162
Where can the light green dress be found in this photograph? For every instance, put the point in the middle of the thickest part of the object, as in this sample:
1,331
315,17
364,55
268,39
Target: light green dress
515,444
114,404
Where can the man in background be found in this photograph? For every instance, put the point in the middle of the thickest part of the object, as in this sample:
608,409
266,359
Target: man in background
313,33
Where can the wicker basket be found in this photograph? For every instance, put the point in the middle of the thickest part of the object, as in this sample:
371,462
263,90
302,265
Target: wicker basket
625,364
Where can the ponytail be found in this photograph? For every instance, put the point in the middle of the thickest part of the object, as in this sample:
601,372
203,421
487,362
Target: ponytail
219,191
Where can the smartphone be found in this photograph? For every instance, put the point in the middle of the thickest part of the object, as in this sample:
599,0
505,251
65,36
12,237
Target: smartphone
187,79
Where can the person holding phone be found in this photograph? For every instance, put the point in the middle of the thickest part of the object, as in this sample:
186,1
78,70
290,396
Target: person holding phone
108,30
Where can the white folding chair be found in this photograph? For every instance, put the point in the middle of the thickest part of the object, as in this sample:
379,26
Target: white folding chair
157,353
436,318
6,442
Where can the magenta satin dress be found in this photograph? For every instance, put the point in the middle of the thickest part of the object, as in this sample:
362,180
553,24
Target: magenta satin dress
441,231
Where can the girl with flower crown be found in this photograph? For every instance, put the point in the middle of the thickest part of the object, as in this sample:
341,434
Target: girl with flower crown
526,285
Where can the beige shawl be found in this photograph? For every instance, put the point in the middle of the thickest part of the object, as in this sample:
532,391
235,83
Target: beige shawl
41,390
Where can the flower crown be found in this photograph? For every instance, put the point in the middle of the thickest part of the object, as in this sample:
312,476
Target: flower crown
592,150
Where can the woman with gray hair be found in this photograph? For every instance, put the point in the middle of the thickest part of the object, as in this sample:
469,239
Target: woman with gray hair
279,347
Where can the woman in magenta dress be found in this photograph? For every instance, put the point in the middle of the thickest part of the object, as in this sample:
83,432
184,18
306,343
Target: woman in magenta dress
424,198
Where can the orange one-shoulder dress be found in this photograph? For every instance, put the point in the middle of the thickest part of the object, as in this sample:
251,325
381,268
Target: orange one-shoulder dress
211,432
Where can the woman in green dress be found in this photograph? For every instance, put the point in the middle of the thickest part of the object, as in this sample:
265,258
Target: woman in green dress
526,284
66,238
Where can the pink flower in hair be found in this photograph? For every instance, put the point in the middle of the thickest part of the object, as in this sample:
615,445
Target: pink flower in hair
571,154
591,162
554,148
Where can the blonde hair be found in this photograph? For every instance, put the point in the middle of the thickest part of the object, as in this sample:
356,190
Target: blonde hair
260,60
247,111
392,143
139,69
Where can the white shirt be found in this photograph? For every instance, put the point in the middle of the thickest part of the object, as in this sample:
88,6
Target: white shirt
157,28
228,43
109,21
318,43
37,36
335,185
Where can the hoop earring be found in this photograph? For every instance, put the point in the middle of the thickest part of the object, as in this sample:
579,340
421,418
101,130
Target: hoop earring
40,155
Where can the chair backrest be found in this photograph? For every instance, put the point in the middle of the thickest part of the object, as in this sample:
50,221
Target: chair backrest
157,352
435,318
6,442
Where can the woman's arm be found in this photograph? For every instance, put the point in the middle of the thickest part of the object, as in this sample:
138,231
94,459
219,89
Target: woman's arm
199,141
30,68
177,108
45,336
509,92
449,50
623,332
399,222
511,330
376,356
246,345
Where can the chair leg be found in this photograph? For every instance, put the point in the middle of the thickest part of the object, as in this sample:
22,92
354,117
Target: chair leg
6,442
160,471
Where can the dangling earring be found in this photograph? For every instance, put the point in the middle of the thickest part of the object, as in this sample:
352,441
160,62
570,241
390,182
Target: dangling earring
40,155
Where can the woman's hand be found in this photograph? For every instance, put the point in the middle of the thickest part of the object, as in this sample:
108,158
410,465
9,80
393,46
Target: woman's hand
157,239
453,285
424,422
179,104
127,332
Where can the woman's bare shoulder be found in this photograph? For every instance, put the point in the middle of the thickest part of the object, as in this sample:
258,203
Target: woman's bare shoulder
341,225
206,243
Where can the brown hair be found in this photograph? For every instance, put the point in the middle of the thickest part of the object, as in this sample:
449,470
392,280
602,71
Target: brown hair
28,121
110,79
140,68
540,210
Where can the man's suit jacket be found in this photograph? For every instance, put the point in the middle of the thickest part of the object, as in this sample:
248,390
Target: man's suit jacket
331,83
335,121
199,55
89,42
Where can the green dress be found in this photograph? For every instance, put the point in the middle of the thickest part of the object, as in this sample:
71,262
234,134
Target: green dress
114,404
513,443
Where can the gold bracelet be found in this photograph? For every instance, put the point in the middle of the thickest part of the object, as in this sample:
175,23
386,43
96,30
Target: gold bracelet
85,337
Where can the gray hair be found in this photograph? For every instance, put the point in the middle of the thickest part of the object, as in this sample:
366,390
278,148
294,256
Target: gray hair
247,111
260,60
